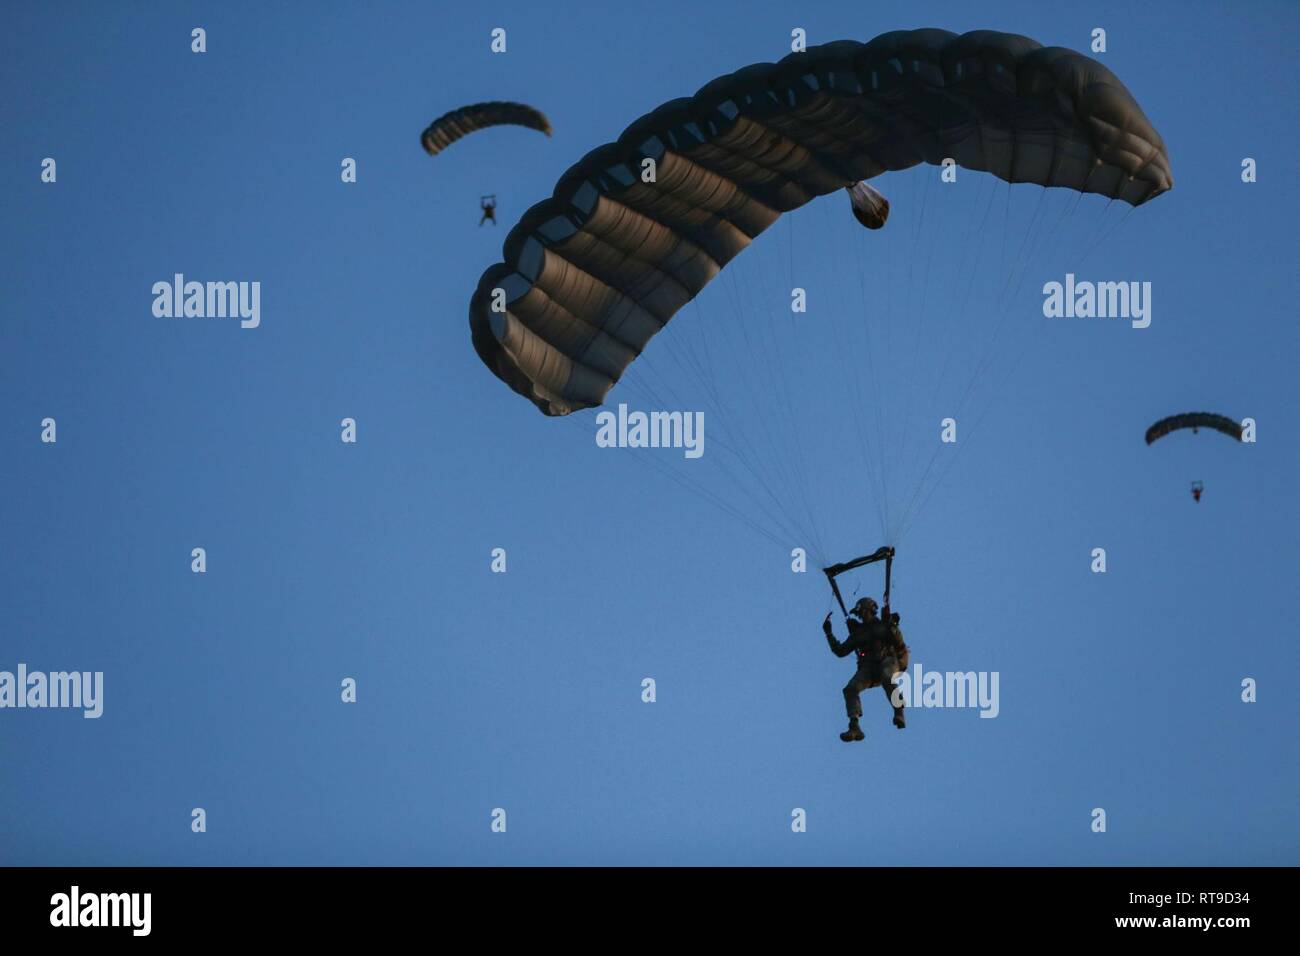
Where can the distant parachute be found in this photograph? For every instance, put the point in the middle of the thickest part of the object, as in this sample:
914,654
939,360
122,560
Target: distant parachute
1194,421
591,274
445,130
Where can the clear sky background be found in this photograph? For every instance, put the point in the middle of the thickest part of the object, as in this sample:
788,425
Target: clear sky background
522,690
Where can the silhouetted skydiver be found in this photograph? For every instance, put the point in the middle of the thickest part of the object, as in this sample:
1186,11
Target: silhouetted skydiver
881,654
489,206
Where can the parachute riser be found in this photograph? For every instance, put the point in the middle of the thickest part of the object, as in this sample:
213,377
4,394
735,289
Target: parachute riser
885,554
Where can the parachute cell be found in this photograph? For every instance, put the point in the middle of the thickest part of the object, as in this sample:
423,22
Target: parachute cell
591,274
1194,420
446,129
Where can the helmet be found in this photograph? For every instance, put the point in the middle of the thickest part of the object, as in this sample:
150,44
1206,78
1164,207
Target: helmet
864,608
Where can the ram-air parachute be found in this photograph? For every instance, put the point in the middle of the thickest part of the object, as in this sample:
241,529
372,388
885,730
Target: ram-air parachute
1195,421
833,364
591,274
450,127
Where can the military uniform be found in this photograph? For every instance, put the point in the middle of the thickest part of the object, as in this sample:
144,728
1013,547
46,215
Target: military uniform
881,654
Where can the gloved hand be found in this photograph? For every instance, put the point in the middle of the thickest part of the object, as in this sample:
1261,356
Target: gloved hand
826,624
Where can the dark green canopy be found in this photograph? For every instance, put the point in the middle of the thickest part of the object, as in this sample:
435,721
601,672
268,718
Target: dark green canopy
1194,420
450,127
591,274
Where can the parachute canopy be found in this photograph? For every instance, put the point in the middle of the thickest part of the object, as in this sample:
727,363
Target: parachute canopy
445,130
593,273
1194,420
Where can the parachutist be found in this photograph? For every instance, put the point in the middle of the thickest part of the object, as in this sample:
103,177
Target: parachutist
1196,421
881,654
489,206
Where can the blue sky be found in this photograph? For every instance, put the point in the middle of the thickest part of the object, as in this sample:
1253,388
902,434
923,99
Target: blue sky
522,690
